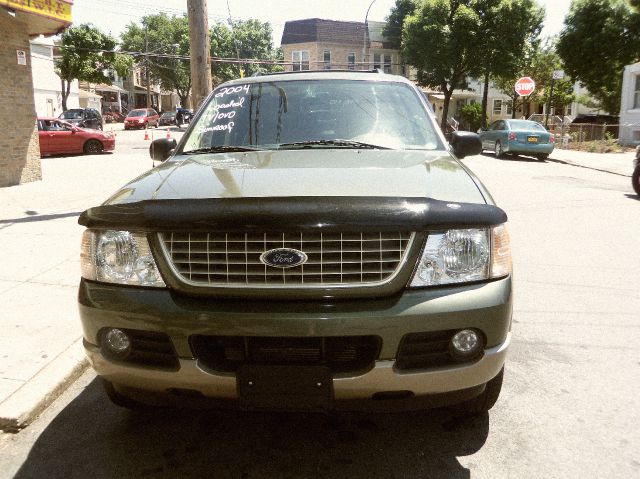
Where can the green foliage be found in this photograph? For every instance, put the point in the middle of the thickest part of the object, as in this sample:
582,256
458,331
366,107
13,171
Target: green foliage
245,39
85,53
166,39
600,37
450,40
395,21
471,116
540,64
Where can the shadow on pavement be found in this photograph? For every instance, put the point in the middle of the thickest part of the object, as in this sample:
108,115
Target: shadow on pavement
507,157
92,438
32,218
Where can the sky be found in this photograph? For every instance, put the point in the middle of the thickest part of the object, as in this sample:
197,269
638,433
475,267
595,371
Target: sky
112,16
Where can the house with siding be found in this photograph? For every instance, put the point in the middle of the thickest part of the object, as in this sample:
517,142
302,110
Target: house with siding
630,106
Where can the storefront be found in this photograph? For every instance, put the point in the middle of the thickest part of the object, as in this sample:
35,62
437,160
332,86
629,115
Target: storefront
21,20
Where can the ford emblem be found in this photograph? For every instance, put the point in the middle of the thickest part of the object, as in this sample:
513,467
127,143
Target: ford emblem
283,258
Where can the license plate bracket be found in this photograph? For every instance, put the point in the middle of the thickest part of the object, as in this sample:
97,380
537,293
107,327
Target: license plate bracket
297,388
532,139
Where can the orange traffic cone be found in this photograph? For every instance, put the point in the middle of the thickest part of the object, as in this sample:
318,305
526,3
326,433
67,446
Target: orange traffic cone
168,133
146,133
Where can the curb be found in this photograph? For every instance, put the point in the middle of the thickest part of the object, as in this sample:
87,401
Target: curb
22,407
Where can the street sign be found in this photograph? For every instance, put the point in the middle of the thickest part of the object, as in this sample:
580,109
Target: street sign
525,86
558,74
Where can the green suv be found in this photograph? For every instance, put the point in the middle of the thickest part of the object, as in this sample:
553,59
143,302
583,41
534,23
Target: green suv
311,243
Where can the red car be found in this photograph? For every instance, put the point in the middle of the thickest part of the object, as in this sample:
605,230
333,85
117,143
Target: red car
142,118
58,136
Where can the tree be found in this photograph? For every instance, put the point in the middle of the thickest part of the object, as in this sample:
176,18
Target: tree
167,41
392,30
244,39
509,30
607,35
85,54
539,64
450,40
471,116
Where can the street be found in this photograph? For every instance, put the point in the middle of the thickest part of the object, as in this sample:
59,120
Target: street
568,406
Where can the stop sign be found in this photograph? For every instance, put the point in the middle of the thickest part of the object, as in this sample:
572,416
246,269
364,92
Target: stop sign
525,86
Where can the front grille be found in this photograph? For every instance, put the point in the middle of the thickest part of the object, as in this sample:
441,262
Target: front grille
340,354
233,259
427,350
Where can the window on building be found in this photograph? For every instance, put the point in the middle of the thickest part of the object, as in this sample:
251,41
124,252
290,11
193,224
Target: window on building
497,107
300,59
509,105
387,63
326,58
636,98
569,109
351,61
377,63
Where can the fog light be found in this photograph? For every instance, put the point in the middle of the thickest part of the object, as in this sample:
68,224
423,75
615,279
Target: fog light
116,343
466,344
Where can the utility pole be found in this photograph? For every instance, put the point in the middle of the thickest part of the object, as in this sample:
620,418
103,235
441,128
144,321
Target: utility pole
364,41
146,66
200,51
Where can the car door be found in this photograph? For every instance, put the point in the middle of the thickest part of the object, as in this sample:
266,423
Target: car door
500,133
64,138
43,137
487,136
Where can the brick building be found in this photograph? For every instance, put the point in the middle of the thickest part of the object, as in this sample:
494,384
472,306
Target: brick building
318,44
19,21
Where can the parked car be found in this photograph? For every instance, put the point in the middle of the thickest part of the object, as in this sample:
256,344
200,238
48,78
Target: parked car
167,118
311,243
142,118
521,137
83,117
183,116
59,136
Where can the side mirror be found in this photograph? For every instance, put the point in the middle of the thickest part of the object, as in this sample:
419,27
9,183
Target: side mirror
465,143
161,149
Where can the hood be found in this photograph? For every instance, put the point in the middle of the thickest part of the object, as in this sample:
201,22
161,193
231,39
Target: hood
310,172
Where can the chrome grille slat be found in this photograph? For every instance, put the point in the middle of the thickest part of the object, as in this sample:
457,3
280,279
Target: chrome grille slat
334,259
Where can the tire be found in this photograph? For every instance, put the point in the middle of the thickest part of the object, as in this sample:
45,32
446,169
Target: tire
498,150
120,399
487,399
543,156
93,147
635,180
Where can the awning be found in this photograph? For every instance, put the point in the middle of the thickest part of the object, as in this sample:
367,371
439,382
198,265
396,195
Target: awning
111,88
41,18
87,94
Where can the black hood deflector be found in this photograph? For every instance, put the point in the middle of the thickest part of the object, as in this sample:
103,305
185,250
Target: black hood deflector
292,214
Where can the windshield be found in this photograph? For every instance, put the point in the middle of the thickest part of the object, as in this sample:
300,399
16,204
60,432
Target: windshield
283,114
137,113
72,115
525,125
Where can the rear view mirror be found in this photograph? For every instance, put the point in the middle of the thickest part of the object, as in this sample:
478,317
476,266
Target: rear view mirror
161,149
465,143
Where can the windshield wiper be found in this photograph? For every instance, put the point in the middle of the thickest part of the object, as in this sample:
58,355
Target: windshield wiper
219,149
339,143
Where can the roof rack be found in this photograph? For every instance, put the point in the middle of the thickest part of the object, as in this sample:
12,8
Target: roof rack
334,70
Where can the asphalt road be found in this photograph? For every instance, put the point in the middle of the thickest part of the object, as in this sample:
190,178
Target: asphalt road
568,408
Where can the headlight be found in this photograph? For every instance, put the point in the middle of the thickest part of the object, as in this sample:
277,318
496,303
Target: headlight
141,120
464,255
118,257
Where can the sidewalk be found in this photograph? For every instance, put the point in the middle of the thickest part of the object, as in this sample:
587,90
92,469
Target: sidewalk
40,344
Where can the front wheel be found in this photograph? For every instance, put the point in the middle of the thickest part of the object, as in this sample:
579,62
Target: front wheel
635,180
498,149
93,147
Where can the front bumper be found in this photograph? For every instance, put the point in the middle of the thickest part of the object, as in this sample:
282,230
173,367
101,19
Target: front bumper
528,148
485,306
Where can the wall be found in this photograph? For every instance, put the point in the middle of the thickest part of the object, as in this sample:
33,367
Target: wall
19,146
629,116
46,84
